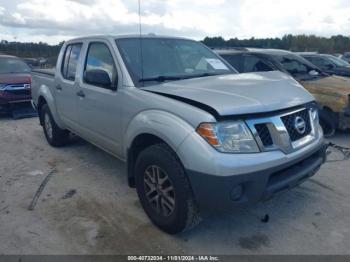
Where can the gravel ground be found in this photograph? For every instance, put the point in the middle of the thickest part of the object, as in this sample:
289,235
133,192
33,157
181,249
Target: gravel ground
87,207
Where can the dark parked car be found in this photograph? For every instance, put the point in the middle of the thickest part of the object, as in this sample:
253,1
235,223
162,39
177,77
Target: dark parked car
332,93
15,82
329,64
346,57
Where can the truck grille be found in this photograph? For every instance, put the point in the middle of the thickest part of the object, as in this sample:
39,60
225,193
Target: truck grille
289,122
17,89
287,132
19,92
264,134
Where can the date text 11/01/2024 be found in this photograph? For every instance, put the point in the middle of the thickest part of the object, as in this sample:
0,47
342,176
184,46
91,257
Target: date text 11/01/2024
173,258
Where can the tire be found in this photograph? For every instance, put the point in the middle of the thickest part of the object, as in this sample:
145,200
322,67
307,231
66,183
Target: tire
177,210
328,122
55,136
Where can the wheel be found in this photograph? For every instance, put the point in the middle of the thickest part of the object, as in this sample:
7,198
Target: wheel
164,190
328,122
55,136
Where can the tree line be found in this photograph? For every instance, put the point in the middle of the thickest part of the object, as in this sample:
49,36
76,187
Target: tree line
29,50
298,43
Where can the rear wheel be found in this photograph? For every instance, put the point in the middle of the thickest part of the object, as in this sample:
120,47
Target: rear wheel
328,122
164,191
55,136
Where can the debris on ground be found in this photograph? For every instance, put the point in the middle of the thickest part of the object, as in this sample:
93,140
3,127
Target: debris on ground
265,218
33,233
35,173
345,151
2,209
40,190
69,194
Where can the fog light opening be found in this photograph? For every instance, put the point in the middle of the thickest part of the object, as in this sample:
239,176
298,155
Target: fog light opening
236,193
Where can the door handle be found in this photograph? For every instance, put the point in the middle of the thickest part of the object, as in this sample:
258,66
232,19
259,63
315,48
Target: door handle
80,93
58,87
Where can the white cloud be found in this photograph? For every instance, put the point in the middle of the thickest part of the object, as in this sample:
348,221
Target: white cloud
52,20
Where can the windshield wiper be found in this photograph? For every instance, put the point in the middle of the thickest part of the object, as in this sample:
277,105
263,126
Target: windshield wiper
173,78
161,78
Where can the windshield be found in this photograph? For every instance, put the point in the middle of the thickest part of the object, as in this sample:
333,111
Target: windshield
166,59
337,61
298,66
10,65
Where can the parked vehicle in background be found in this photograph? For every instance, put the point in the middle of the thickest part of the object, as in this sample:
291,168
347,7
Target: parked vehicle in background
37,62
196,135
346,57
15,82
328,63
332,93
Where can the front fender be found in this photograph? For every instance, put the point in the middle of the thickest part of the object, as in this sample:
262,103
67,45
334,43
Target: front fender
170,128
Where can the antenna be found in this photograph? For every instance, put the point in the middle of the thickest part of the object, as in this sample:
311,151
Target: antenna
140,32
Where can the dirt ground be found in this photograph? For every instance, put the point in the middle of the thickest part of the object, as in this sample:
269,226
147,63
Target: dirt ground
87,207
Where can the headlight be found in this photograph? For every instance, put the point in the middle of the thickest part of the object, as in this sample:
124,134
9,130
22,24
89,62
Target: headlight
229,137
2,86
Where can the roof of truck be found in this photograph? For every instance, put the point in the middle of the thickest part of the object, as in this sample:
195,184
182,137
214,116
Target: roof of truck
112,37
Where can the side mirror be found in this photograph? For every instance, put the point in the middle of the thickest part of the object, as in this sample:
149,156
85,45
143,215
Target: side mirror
313,73
98,77
330,66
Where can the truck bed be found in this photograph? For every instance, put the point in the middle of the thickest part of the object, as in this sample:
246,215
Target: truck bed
41,79
49,72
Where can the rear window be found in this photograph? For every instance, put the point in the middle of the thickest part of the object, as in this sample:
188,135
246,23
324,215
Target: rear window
70,61
10,65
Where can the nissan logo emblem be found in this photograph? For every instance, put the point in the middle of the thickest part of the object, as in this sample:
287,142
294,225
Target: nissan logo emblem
300,125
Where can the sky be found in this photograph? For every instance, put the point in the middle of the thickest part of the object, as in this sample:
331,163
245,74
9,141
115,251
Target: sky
53,21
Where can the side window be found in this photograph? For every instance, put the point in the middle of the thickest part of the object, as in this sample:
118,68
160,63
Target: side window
235,61
65,61
100,58
255,64
322,63
293,66
70,61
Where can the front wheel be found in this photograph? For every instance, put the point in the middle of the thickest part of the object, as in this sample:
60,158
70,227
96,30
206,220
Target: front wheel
164,190
55,136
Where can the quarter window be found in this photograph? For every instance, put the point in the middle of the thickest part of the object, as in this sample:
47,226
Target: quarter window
99,57
70,61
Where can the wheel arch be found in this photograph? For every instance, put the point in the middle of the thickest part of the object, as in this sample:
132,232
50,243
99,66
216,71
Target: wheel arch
46,97
149,128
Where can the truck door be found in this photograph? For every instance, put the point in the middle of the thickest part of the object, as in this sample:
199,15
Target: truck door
66,86
99,102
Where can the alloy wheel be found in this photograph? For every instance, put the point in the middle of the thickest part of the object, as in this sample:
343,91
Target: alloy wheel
48,126
159,190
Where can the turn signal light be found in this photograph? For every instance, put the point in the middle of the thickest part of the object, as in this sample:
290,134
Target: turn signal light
206,131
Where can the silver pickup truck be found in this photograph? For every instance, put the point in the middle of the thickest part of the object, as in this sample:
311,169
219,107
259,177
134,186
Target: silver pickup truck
197,136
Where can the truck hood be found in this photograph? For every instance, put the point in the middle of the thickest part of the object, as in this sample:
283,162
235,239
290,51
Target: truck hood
238,94
15,78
